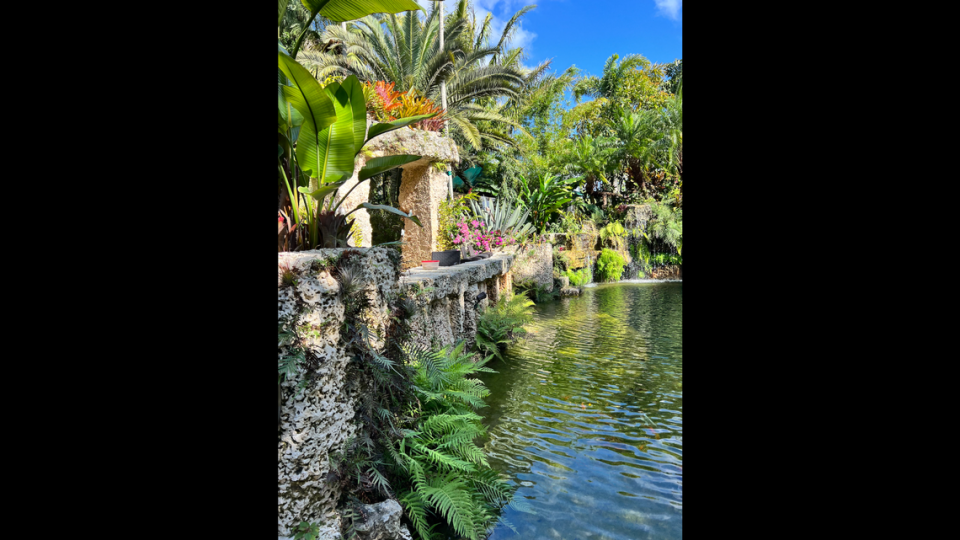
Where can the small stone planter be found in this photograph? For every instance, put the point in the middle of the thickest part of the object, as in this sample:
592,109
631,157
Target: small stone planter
447,258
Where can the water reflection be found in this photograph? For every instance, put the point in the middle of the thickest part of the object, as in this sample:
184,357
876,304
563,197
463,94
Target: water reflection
585,416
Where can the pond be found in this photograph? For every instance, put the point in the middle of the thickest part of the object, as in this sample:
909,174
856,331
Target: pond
585,416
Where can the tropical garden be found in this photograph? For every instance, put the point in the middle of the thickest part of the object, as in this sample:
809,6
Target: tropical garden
589,164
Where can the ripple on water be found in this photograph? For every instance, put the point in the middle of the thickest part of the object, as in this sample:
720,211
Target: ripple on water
585,416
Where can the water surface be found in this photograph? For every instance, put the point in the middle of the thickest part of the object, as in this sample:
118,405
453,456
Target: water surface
585,416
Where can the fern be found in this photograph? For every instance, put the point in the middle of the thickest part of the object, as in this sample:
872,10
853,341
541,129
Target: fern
502,323
449,475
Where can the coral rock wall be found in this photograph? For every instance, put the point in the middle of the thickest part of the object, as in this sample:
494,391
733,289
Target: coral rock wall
447,298
316,419
534,264
317,405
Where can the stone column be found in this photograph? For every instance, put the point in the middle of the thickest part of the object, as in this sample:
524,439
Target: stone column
422,188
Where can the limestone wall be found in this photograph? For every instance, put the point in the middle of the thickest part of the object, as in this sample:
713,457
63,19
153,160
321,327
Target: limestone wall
534,263
317,417
447,298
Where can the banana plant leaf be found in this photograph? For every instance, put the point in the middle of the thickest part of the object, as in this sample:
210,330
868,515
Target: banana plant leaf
382,164
318,110
350,92
391,209
350,10
331,155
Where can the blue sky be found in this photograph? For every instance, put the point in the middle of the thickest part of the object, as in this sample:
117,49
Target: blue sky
586,32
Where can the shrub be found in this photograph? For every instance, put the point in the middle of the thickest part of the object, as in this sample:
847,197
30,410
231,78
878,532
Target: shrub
610,265
579,278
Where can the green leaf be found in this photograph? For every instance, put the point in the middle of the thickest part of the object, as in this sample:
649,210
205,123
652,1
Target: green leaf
379,129
335,146
321,193
381,164
318,111
391,209
350,10
354,90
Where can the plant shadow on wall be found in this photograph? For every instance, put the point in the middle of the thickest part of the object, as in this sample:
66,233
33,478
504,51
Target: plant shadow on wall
417,416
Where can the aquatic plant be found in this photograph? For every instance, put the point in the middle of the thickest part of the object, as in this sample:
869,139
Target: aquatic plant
610,265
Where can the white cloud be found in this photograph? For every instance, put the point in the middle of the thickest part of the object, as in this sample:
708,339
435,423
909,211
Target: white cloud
670,8
502,10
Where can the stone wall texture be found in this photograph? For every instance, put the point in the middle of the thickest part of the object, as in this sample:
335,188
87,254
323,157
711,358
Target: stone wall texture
446,298
534,264
317,417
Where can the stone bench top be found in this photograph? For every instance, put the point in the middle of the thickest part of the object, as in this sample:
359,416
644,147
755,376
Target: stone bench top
450,279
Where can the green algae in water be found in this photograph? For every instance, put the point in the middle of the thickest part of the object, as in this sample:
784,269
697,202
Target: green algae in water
585,416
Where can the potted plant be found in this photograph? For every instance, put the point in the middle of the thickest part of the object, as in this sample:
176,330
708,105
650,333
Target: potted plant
450,213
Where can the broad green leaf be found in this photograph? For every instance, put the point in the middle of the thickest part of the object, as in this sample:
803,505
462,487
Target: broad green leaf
382,164
351,85
391,209
350,10
335,146
318,111
379,129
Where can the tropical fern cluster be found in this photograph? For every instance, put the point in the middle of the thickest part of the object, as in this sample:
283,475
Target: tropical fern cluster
450,475
503,322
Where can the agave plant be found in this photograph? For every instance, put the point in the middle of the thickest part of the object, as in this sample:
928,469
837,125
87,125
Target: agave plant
332,132
500,215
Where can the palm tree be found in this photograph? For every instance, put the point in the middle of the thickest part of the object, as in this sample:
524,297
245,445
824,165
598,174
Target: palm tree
406,50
